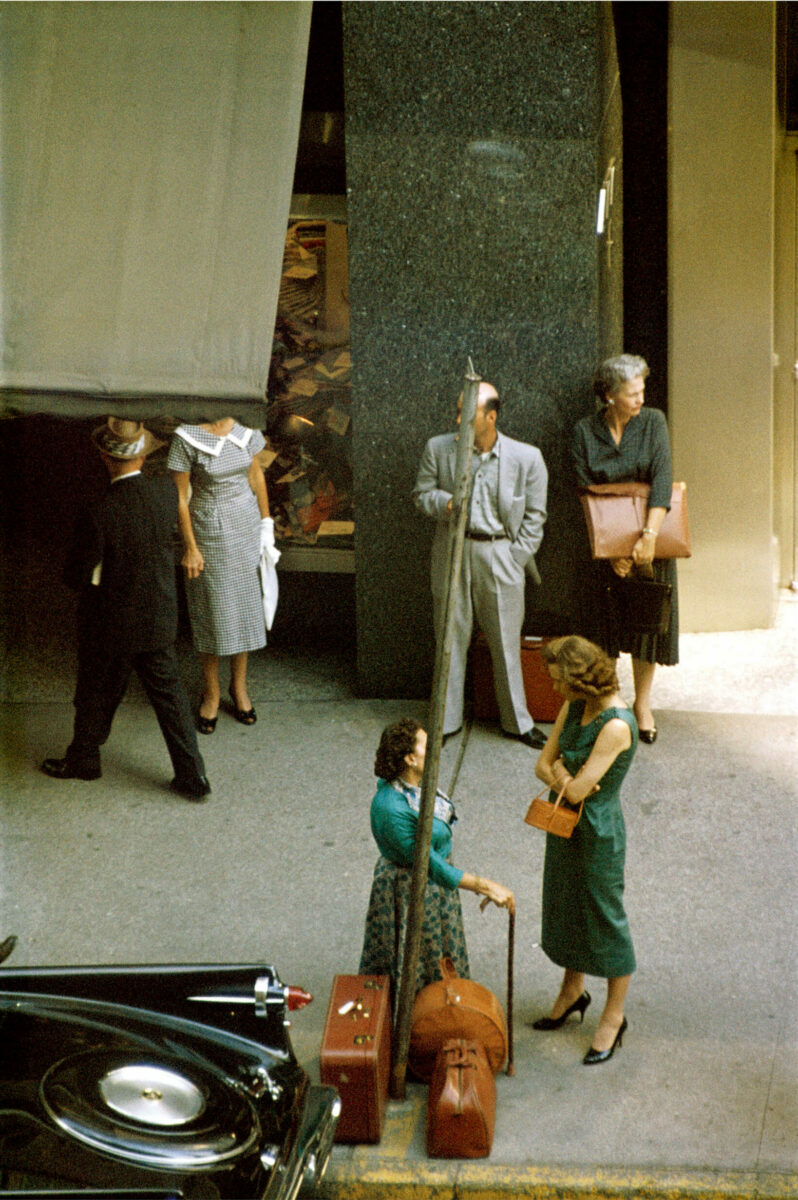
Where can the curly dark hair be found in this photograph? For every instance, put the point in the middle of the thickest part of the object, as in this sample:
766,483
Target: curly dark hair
584,667
397,740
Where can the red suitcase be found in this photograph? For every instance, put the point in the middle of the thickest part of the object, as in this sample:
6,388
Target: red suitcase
356,1053
541,699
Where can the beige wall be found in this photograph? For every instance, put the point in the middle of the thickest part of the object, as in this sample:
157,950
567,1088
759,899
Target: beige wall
721,212
785,338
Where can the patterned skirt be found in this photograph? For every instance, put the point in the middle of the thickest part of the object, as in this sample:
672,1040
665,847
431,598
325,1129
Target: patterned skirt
442,932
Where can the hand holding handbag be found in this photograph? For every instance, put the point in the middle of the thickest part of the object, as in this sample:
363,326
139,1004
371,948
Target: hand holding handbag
554,818
616,515
640,604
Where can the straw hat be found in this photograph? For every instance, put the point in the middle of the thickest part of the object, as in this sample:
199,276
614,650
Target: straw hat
125,439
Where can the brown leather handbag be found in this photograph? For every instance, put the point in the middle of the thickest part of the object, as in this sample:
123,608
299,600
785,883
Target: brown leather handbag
461,1109
556,818
455,1008
616,516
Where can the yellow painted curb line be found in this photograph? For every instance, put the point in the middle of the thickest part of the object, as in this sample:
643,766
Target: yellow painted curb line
385,1172
355,1174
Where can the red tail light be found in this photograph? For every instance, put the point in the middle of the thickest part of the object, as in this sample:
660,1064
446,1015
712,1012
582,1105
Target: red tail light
297,998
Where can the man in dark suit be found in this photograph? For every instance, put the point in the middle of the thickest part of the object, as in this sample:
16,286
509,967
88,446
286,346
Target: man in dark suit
122,564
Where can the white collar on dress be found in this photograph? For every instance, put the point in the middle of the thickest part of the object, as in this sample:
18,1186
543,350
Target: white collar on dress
211,443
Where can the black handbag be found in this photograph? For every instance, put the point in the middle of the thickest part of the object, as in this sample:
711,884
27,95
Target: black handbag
641,605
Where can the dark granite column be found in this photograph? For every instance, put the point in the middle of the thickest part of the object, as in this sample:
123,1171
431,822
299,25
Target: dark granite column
477,135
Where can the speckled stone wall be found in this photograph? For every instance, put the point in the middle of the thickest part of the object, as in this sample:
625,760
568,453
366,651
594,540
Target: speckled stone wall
476,136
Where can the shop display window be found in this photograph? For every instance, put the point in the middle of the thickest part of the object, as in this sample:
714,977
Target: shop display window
308,455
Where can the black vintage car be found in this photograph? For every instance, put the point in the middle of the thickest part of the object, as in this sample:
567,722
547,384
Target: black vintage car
157,1081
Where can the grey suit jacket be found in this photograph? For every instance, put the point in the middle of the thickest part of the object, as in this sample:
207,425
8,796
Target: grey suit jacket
523,483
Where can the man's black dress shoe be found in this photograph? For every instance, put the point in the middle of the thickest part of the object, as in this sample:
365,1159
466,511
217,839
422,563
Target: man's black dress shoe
60,768
194,789
6,946
532,738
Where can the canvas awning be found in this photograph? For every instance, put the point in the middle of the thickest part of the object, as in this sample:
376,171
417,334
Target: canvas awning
147,162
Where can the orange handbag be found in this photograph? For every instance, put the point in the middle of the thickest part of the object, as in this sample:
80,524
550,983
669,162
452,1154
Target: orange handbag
555,818
616,515
461,1109
455,1008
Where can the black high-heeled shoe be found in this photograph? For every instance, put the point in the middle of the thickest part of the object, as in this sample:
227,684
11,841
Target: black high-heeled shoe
6,946
600,1056
555,1022
246,716
206,724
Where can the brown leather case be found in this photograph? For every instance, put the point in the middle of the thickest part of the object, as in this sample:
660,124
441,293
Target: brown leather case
541,699
461,1110
455,1008
356,1053
616,513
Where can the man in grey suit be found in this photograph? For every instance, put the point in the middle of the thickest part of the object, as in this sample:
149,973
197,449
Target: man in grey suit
506,514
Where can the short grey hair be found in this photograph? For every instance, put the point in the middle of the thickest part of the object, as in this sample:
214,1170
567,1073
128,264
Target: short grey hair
614,373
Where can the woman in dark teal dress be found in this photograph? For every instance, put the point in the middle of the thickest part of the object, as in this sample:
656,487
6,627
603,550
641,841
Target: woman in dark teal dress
624,441
399,767
589,751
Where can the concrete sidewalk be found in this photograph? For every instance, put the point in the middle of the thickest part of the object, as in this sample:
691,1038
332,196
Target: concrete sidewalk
702,1099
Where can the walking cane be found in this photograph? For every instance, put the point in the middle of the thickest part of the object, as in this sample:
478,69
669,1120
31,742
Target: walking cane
510,956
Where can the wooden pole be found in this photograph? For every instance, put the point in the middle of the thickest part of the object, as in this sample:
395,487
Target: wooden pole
429,782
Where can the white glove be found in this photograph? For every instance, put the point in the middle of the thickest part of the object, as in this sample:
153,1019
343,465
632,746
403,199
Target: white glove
267,545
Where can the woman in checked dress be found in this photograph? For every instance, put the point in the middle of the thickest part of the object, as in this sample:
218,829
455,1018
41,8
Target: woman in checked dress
224,526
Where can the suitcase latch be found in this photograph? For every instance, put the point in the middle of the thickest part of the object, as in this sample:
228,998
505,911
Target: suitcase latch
355,1010
362,1038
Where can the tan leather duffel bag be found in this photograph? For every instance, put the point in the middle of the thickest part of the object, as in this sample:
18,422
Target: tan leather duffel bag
461,1110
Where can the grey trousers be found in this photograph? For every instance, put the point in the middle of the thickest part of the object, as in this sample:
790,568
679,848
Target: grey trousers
490,591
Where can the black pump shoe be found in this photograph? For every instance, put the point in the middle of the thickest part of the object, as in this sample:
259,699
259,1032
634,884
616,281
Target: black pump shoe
555,1022
245,716
600,1056
649,736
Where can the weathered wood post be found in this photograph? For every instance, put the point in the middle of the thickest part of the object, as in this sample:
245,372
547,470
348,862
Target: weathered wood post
429,782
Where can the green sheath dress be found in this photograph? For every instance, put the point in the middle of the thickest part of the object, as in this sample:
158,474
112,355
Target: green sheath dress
584,922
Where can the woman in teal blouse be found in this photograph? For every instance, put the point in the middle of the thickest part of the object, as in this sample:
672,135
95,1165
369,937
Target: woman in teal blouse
588,753
399,767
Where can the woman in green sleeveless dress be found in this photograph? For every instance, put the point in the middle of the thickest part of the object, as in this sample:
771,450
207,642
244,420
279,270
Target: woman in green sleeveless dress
585,929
